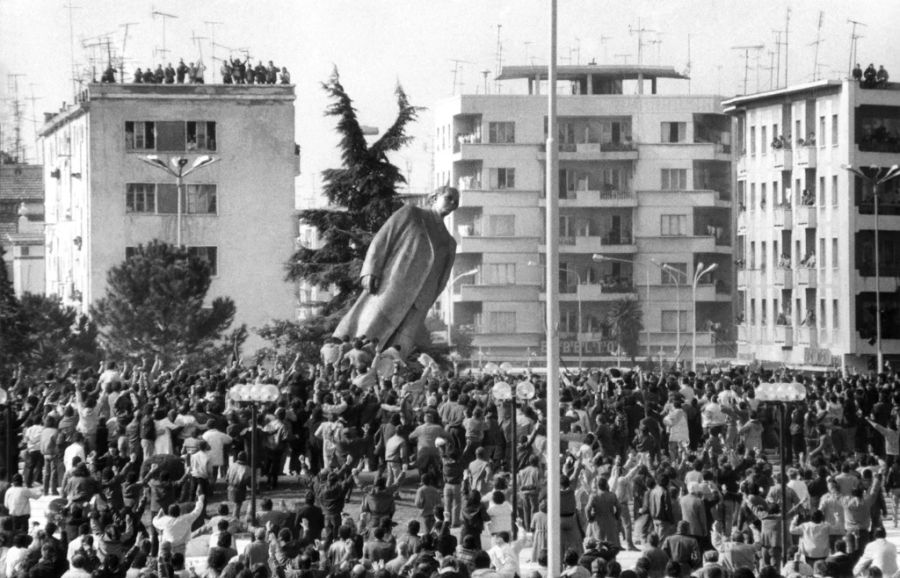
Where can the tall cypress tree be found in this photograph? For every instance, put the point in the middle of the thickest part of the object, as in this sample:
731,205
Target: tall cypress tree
362,194
14,342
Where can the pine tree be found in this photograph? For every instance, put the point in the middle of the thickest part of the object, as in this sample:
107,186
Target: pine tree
58,334
14,342
362,195
154,305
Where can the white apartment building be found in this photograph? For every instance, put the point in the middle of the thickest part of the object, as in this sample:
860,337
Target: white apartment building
102,200
806,226
645,182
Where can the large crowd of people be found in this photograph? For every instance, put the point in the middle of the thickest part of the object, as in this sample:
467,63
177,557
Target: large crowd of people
392,468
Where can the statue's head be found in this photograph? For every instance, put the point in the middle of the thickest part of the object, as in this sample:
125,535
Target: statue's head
444,200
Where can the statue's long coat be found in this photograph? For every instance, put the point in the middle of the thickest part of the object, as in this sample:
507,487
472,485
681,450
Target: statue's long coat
401,255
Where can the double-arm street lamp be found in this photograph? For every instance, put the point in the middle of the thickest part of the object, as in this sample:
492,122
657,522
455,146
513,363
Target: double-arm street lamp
782,395
698,274
876,181
178,171
254,394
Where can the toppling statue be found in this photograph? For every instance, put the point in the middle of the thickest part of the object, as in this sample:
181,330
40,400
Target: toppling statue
406,268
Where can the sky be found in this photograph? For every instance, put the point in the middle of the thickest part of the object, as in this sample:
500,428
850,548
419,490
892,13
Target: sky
423,45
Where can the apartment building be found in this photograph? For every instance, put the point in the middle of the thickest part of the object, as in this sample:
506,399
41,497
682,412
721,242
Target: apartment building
644,184
103,200
806,225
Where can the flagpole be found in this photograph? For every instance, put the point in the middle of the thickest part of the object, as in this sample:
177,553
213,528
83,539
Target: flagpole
554,555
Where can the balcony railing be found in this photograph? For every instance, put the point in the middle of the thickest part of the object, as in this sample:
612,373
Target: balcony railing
806,216
783,217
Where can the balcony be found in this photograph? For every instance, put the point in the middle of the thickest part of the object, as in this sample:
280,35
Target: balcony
743,333
743,278
501,293
807,277
784,336
707,292
784,278
591,199
807,335
684,244
475,243
610,243
742,165
784,217
596,292
742,223
781,158
623,151
806,157
806,216
506,198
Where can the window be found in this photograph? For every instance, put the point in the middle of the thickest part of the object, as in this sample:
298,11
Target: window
752,255
752,140
502,132
503,178
834,190
673,132
501,226
500,274
834,129
762,195
162,199
207,254
798,134
200,199
822,191
821,135
763,143
752,196
170,136
753,312
9,208
670,276
201,136
834,253
140,136
673,225
673,179
763,255
501,322
140,198
835,314
763,312
674,321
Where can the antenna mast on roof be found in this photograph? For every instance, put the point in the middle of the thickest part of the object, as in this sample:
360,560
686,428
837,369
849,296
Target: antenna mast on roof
164,51
212,39
499,56
640,34
456,66
126,26
778,45
854,41
747,50
603,41
71,7
34,123
12,85
787,46
817,43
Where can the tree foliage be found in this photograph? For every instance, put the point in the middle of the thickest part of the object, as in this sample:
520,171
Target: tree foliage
58,334
14,341
362,195
154,305
625,324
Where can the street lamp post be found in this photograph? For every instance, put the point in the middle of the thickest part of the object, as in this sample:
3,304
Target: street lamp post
782,395
578,302
503,391
698,274
254,394
598,258
179,172
876,182
450,308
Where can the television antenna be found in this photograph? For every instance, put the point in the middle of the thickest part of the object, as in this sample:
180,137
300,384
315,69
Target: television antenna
640,31
34,121
71,7
126,26
457,65
212,38
499,55
778,45
603,41
854,40
165,17
747,49
817,42
12,85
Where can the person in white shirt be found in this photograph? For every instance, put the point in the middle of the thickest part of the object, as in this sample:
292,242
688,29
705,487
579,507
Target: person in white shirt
18,503
797,484
501,514
200,469
164,424
73,450
175,527
879,553
217,441
16,553
505,555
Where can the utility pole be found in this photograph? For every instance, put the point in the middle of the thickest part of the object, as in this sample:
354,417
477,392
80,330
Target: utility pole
817,43
854,41
165,16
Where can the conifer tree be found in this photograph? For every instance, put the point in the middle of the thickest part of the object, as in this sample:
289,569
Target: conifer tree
14,342
361,194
